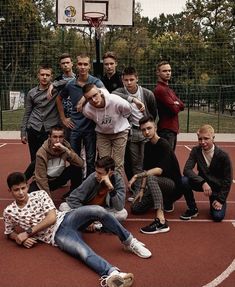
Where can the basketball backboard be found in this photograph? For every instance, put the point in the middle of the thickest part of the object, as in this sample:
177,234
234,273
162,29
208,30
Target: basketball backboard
117,12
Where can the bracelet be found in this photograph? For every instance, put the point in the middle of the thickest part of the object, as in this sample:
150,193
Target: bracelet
142,174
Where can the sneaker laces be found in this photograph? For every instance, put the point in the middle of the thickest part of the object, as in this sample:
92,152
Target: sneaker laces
135,244
103,280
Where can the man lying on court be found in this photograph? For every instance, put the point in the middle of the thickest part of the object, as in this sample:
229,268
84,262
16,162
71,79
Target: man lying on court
40,220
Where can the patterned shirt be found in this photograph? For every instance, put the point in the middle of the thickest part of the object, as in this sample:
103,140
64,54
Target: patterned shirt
36,209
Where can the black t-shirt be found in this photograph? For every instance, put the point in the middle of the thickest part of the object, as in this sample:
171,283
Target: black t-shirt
113,83
161,155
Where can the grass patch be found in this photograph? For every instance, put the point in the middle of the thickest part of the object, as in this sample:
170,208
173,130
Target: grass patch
11,120
222,124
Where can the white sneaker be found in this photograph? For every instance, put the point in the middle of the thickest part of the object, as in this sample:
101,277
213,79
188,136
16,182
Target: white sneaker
130,198
117,279
138,248
64,207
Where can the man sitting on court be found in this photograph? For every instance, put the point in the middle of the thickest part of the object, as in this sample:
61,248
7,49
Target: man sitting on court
161,180
41,221
214,177
51,169
103,187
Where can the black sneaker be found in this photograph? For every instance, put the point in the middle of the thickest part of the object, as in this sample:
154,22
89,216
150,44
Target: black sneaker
155,227
169,207
189,214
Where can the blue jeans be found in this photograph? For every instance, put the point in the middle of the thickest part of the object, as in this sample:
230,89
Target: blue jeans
89,141
188,187
69,236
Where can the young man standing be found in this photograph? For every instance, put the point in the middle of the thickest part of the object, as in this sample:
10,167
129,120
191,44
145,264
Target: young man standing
51,169
214,177
66,66
112,78
110,113
161,179
104,187
133,92
41,221
82,128
168,104
40,113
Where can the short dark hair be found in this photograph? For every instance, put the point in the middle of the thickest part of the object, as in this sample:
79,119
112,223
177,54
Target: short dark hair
64,55
106,162
87,87
56,128
110,54
162,63
146,119
129,71
15,178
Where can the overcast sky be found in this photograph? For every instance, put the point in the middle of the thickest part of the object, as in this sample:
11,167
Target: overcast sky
152,8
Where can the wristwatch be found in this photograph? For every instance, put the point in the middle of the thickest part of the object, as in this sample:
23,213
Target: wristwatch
29,231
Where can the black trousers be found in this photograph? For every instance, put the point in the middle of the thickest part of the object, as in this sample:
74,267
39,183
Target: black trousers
71,172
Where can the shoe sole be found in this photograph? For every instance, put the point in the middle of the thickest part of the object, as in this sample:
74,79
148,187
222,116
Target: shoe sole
119,281
188,218
156,231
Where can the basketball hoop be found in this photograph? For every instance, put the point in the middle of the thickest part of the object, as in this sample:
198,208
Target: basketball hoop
95,20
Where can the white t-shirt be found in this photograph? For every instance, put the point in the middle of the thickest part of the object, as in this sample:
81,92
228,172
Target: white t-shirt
39,203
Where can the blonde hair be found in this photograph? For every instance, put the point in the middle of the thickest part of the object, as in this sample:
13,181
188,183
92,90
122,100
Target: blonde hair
206,128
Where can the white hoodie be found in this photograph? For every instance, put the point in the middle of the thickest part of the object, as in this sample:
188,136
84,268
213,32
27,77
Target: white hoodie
112,118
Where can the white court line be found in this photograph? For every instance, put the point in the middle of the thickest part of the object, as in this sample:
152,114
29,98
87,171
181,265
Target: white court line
187,147
11,143
3,144
222,276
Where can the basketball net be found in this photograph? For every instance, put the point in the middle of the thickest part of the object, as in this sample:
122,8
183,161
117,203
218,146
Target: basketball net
95,20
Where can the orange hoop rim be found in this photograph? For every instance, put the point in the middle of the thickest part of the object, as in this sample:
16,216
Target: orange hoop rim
94,19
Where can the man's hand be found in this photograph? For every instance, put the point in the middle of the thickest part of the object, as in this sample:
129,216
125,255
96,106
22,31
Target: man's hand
106,180
60,147
49,92
24,140
206,189
80,104
139,196
21,237
139,104
217,205
132,180
30,242
68,123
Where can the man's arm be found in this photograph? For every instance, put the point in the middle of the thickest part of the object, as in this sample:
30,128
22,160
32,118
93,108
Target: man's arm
66,121
41,174
27,112
169,100
189,167
117,191
49,220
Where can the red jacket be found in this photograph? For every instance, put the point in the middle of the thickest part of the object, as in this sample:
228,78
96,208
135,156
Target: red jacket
167,108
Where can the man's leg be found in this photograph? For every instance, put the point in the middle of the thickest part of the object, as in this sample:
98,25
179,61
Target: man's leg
170,136
120,215
89,141
71,172
68,236
217,215
136,154
35,141
104,145
118,149
187,188
169,192
141,207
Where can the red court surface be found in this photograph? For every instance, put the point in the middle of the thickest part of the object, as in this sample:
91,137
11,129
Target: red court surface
197,253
